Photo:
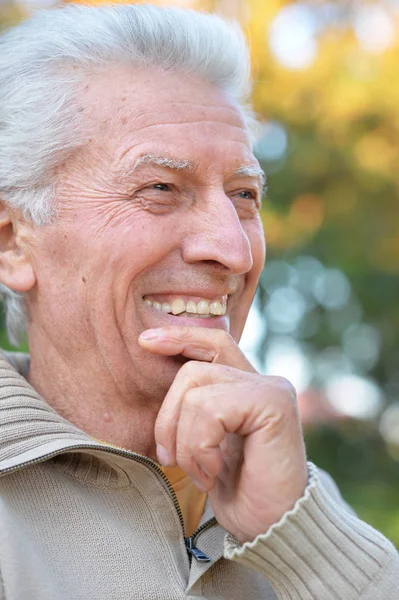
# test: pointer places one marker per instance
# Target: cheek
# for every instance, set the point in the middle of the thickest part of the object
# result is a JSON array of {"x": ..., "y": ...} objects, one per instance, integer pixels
[
  {"x": 80, "y": 258},
  {"x": 123, "y": 255},
  {"x": 254, "y": 232},
  {"x": 256, "y": 238},
  {"x": 132, "y": 249}
]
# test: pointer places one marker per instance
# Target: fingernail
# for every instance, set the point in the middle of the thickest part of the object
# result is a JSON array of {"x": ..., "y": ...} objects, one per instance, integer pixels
[
  {"x": 207, "y": 472},
  {"x": 199, "y": 485},
  {"x": 149, "y": 334},
  {"x": 163, "y": 455},
  {"x": 204, "y": 355}
]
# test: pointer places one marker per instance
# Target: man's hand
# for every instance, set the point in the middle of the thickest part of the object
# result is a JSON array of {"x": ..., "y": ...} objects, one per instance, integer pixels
[{"x": 235, "y": 432}]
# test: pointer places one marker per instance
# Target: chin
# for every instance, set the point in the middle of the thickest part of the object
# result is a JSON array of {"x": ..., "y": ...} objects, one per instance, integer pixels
[
  {"x": 172, "y": 366},
  {"x": 164, "y": 375}
]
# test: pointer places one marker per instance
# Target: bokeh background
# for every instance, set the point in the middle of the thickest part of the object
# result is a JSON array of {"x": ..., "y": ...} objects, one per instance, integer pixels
[{"x": 327, "y": 312}]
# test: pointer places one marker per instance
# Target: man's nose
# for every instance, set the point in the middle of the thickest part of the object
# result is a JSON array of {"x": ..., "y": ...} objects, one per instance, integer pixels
[{"x": 216, "y": 234}]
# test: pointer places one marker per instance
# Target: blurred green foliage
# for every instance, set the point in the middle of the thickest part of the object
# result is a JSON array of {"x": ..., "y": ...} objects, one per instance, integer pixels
[
  {"x": 356, "y": 457},
  {"x": 333, "y": 195}
]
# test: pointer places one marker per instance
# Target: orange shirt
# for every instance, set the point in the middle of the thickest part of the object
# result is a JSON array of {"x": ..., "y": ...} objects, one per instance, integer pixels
[{"x": 191, "y": 499}]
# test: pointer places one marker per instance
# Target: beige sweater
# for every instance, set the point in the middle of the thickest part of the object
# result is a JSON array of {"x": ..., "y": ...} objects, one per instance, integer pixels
[{"x": 82, "y": 521}]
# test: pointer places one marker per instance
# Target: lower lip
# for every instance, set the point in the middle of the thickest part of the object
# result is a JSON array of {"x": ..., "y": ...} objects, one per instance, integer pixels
[{"x": 162, "y": 319}]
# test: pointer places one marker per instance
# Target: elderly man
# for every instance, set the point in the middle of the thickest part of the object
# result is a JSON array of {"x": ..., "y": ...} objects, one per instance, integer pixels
[{"x": 141, "y": 454}]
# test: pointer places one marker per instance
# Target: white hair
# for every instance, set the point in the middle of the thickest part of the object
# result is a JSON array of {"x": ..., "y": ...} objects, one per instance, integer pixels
[{"x": 44, "y": 60}]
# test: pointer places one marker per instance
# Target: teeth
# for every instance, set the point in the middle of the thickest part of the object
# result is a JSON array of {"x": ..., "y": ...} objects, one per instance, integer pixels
[
  {"x": 215, "y": 308},
  {"x": 166, "y": 307},
  {"x": 203, "y": 307},
  {"x": 191, "y": 307},
  {"x": 178, "y": 306}
]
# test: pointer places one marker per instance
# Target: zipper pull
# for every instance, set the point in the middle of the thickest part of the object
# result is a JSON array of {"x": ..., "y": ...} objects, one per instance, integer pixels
[{"x": 194, "y": 551}]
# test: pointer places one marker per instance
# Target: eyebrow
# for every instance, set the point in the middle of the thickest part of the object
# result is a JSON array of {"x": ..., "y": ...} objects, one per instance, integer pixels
[
  {"x": 178, "y": 164},
  {"x": 252, "y": 171},
  {"x": 169, "y": 162}
]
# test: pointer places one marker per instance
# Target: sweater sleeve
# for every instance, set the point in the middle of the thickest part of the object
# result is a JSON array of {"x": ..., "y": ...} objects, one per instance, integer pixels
[{"x": 320, "y": 549}]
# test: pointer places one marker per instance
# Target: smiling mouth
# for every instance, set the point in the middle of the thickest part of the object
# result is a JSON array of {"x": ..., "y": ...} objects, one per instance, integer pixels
[{"x": 202, "y": 308}]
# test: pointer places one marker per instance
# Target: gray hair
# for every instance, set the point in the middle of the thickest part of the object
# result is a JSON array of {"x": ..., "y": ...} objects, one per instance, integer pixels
[{"x": 43, "y": 62}]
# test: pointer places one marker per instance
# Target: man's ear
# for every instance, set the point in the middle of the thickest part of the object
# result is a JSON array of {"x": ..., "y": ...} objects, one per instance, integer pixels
[{"x": 16, "y": 269}]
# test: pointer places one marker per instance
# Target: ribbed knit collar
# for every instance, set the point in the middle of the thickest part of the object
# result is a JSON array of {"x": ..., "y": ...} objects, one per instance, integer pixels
[
  {"x": 30, "y": 429},
  {"x": 31, "y": 432}
]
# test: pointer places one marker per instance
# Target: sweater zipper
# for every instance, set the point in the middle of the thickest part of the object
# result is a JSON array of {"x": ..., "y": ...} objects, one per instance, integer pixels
[{"x": 189, "y": 542}]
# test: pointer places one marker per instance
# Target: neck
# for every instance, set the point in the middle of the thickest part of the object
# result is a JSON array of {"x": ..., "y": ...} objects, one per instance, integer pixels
[{"x": 85, "y": 393}]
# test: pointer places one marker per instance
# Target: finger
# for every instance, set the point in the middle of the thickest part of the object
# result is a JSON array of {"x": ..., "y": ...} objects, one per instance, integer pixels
[
  {"x": 208, "y": 415},
  {"x": 197, "y": 343},
  {"x": 232, "y": 453},
  {"x": 198, "y": 453},
  {"x": 266, "y": 420},
  {"x": 192, "y": 375}
]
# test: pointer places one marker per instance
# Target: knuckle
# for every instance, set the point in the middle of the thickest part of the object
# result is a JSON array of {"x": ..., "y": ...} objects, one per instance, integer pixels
[
  {"x": 282, "y": 417},
  {"x": 286, "y": 388},
  {"x": 283, "y": 408},
  {"x": 191, "y": 368},
  {"x": 183, "y": 452},
  {"x": 187, "y": 368},
  {"x": 193, "y": 399},
  {"x": 184, "y": 458},
  {"x": 287, "y": 407},
  {"x": 184, "y": 333}
]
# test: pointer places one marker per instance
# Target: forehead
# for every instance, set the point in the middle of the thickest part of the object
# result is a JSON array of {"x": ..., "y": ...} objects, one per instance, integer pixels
[{"x": 138, "y": 111}]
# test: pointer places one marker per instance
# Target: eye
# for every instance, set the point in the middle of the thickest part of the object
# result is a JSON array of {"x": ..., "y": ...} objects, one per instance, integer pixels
[
  {"x": 250, "y": 195},
  {"x": 161, "y": 186},
  {"x": 247, "y": 195}
]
